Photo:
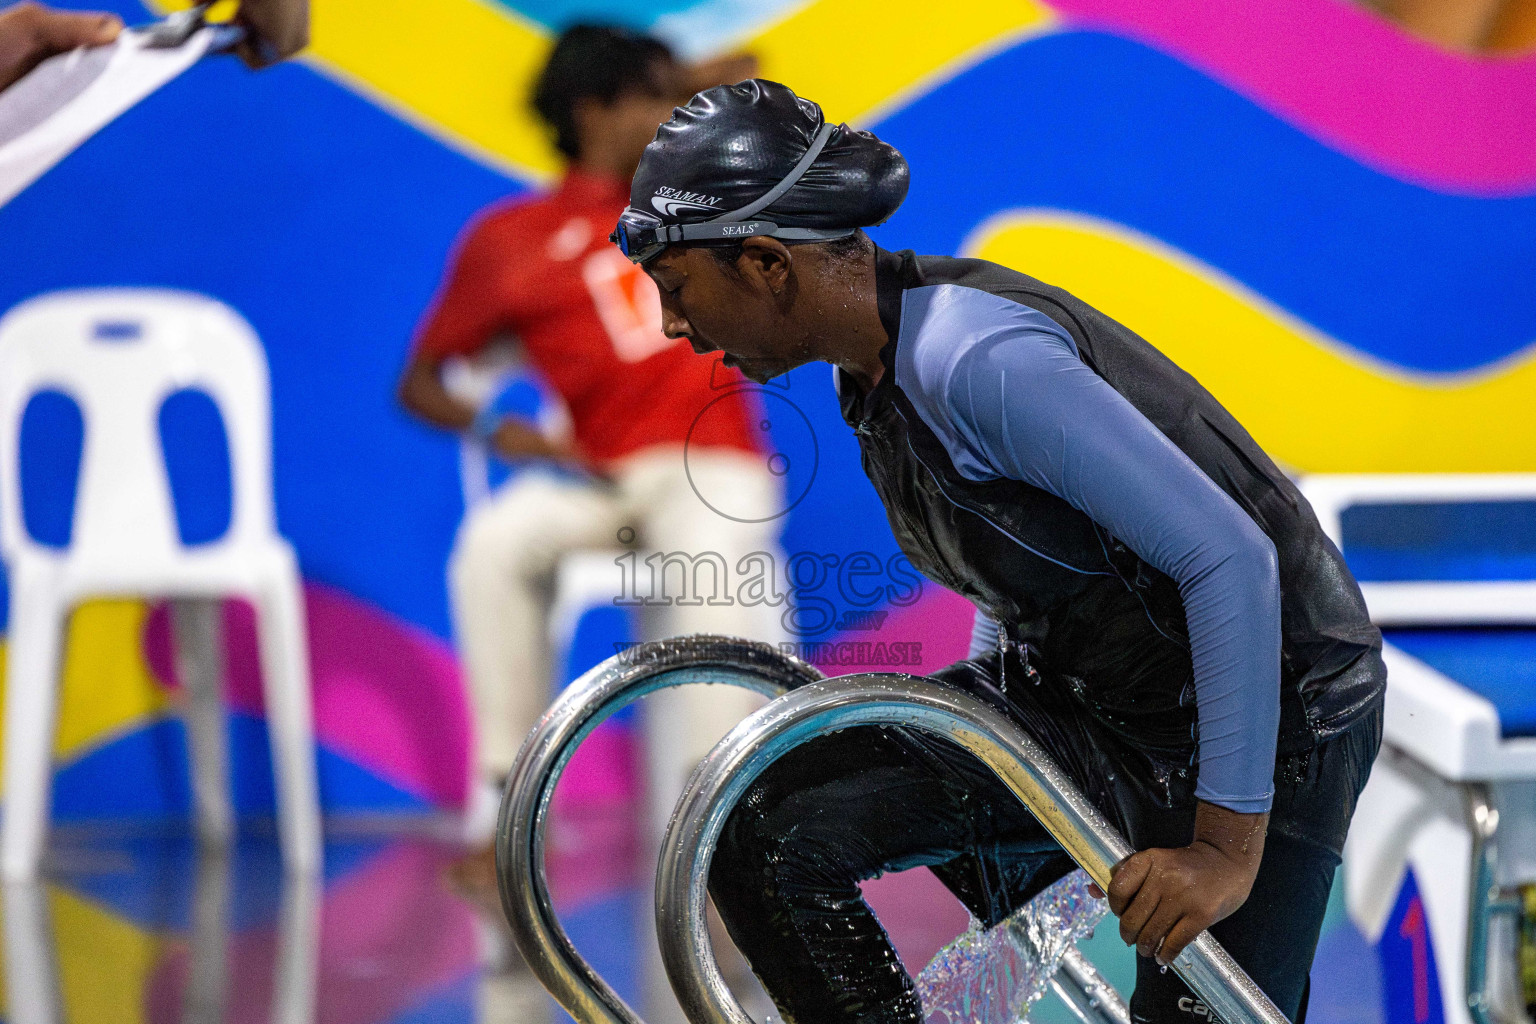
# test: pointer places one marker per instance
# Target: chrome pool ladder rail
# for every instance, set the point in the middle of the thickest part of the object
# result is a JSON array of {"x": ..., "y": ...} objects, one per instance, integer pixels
[
  {"x": 581, "y": 708},
  {"x": 890, "y": 699}
]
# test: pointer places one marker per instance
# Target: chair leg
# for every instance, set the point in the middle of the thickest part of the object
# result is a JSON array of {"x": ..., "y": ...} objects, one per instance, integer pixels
[
  {"x": 285, "y": 684},
  {"x": 31, "y": 969},
  {"x": 197, "y": 624},
  {"x": 295, "y": 987},
  {"x": 206, "y": 998},
  {"x": 31, "y": 705}
]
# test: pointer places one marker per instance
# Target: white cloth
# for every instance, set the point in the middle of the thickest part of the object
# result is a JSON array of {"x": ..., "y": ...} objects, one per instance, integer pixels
[
  {"x": 503, "y": 575},
  {"x": 68, "y": 98}
]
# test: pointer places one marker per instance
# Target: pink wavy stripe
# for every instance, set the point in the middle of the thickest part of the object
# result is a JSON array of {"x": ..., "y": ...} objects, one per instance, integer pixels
[
  {"x": 390, "y": 934},
  {"x": 940, "y": 621},
  {"x": 593, "y": 853},
  {"x": 1444, "y": 120},
  {"x": 388, "y": 696},
  {"x": 917, "y": 912}
]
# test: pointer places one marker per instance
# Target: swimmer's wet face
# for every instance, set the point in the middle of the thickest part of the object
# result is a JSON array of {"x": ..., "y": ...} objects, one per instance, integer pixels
[
  {"x": 771, "y": 307},
  {"x": 744, "y": 310}
]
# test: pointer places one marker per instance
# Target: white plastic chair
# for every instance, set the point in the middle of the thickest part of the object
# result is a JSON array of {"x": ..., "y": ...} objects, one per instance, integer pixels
[
  {"x": 119, "y": 353},
  {"x": 587, "y": 579},
  {"x": 478, "y": 381}
]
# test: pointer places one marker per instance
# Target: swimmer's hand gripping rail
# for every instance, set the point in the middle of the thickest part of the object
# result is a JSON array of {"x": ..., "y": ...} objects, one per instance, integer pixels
[
  {"x": 889, "y": 699},
  {"x": 584, "y": 706}
]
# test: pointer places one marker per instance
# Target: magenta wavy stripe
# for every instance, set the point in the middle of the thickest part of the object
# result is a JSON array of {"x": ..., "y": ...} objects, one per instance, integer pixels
[
  {"x": 940, "y": 621},
  {"x": 1444, "y": 120},
  {"x": 394, "y": 912},
  {"x": 388, "y": 695}
]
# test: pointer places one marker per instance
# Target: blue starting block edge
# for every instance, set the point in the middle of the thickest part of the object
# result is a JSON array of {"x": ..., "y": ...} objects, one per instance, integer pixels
[
  {"x": 1450, "y": 540},
  {"x": 1496, "y": 663}
]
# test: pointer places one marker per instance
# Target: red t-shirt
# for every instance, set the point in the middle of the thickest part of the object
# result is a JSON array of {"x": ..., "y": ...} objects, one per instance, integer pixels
[{"x": 588, "y": 320}]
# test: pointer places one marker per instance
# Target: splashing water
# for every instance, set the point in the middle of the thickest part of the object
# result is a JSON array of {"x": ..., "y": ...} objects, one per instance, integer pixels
[{"x": 994, "y": 975}]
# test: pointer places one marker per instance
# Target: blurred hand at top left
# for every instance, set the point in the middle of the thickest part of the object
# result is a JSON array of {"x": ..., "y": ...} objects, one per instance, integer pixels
[
  {"x": 31, "y": 33},
  {"x": 274, "y": 30}
]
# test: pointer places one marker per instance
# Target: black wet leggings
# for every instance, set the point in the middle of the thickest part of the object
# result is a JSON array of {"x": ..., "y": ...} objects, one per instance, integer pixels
[{"x": 866, "y": 801}]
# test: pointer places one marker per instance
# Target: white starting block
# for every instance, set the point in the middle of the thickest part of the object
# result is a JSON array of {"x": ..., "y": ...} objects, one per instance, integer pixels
[{"x": 1440, "y": 865}]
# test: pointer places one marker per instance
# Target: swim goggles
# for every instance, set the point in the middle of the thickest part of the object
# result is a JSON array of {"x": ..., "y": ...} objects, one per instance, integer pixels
[{"x": 642, "y": 236}]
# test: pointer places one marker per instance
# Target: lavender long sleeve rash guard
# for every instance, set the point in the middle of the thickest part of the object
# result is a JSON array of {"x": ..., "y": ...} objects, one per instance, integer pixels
[{"x": 1005, "y": 391}]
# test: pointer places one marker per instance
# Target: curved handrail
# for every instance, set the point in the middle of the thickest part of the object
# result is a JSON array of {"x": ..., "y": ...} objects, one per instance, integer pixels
[
  {"x": 583, "y": 706},
  {"x": 890, "y": 699}
]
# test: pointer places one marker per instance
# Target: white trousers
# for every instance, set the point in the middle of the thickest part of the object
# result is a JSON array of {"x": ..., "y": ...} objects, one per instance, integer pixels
[{"x": 504, "y": 572}]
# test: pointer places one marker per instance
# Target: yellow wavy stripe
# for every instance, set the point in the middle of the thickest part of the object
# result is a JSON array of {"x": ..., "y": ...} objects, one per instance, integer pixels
[
  {"x": 105, "y": 963},
  {"x": 107, "y": 684},
  {"x": 461, "y": 69},
  {"x": 856, "y": 57},
  {"x": 458, "y": 69},
  {"x": 1310, "y": 402}
]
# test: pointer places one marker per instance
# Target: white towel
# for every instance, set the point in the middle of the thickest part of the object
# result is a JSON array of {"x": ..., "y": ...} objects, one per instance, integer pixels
[{"x": 70, "y": 97}]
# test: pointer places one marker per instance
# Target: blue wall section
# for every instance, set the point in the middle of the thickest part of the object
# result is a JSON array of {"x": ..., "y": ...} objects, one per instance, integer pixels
[
  {"x": 1102, "y": 126},
  {"x": 51, "y": 441},
  {"x": 1410, "y": 981},
  {"x": 144, "y": 774}
]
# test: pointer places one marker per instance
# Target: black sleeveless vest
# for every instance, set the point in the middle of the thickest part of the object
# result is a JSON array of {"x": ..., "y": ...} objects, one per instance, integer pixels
[{"x": 1098, "y": 622}]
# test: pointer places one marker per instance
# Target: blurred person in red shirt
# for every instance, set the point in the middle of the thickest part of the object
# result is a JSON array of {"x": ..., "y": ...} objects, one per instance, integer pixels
[{"x": 540, "y": 273}]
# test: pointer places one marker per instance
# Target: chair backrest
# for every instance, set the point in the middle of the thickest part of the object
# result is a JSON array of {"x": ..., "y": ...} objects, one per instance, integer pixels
[
  {"x": 119, "y": 353},
  {"x": 485, "y": 379}
]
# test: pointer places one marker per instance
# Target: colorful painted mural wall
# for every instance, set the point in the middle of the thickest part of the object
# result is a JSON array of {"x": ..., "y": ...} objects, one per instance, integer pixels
[{"x": 1330, "y": 223}]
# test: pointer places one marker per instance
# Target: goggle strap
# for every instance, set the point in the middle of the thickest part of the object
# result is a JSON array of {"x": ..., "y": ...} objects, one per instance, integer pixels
[
  {"x": 795, "y": 174},
  {"x": 812, "y": 234},
  {"x": 735, "y": 224},
  {"x": 714, "y": 229}
]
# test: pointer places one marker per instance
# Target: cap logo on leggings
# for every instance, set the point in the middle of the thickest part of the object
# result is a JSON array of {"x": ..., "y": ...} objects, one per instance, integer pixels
[{"x": 670, "y": 201}]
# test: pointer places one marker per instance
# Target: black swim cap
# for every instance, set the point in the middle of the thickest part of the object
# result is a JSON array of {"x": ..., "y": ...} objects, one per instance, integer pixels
[{"x": 735, "y": 145}]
